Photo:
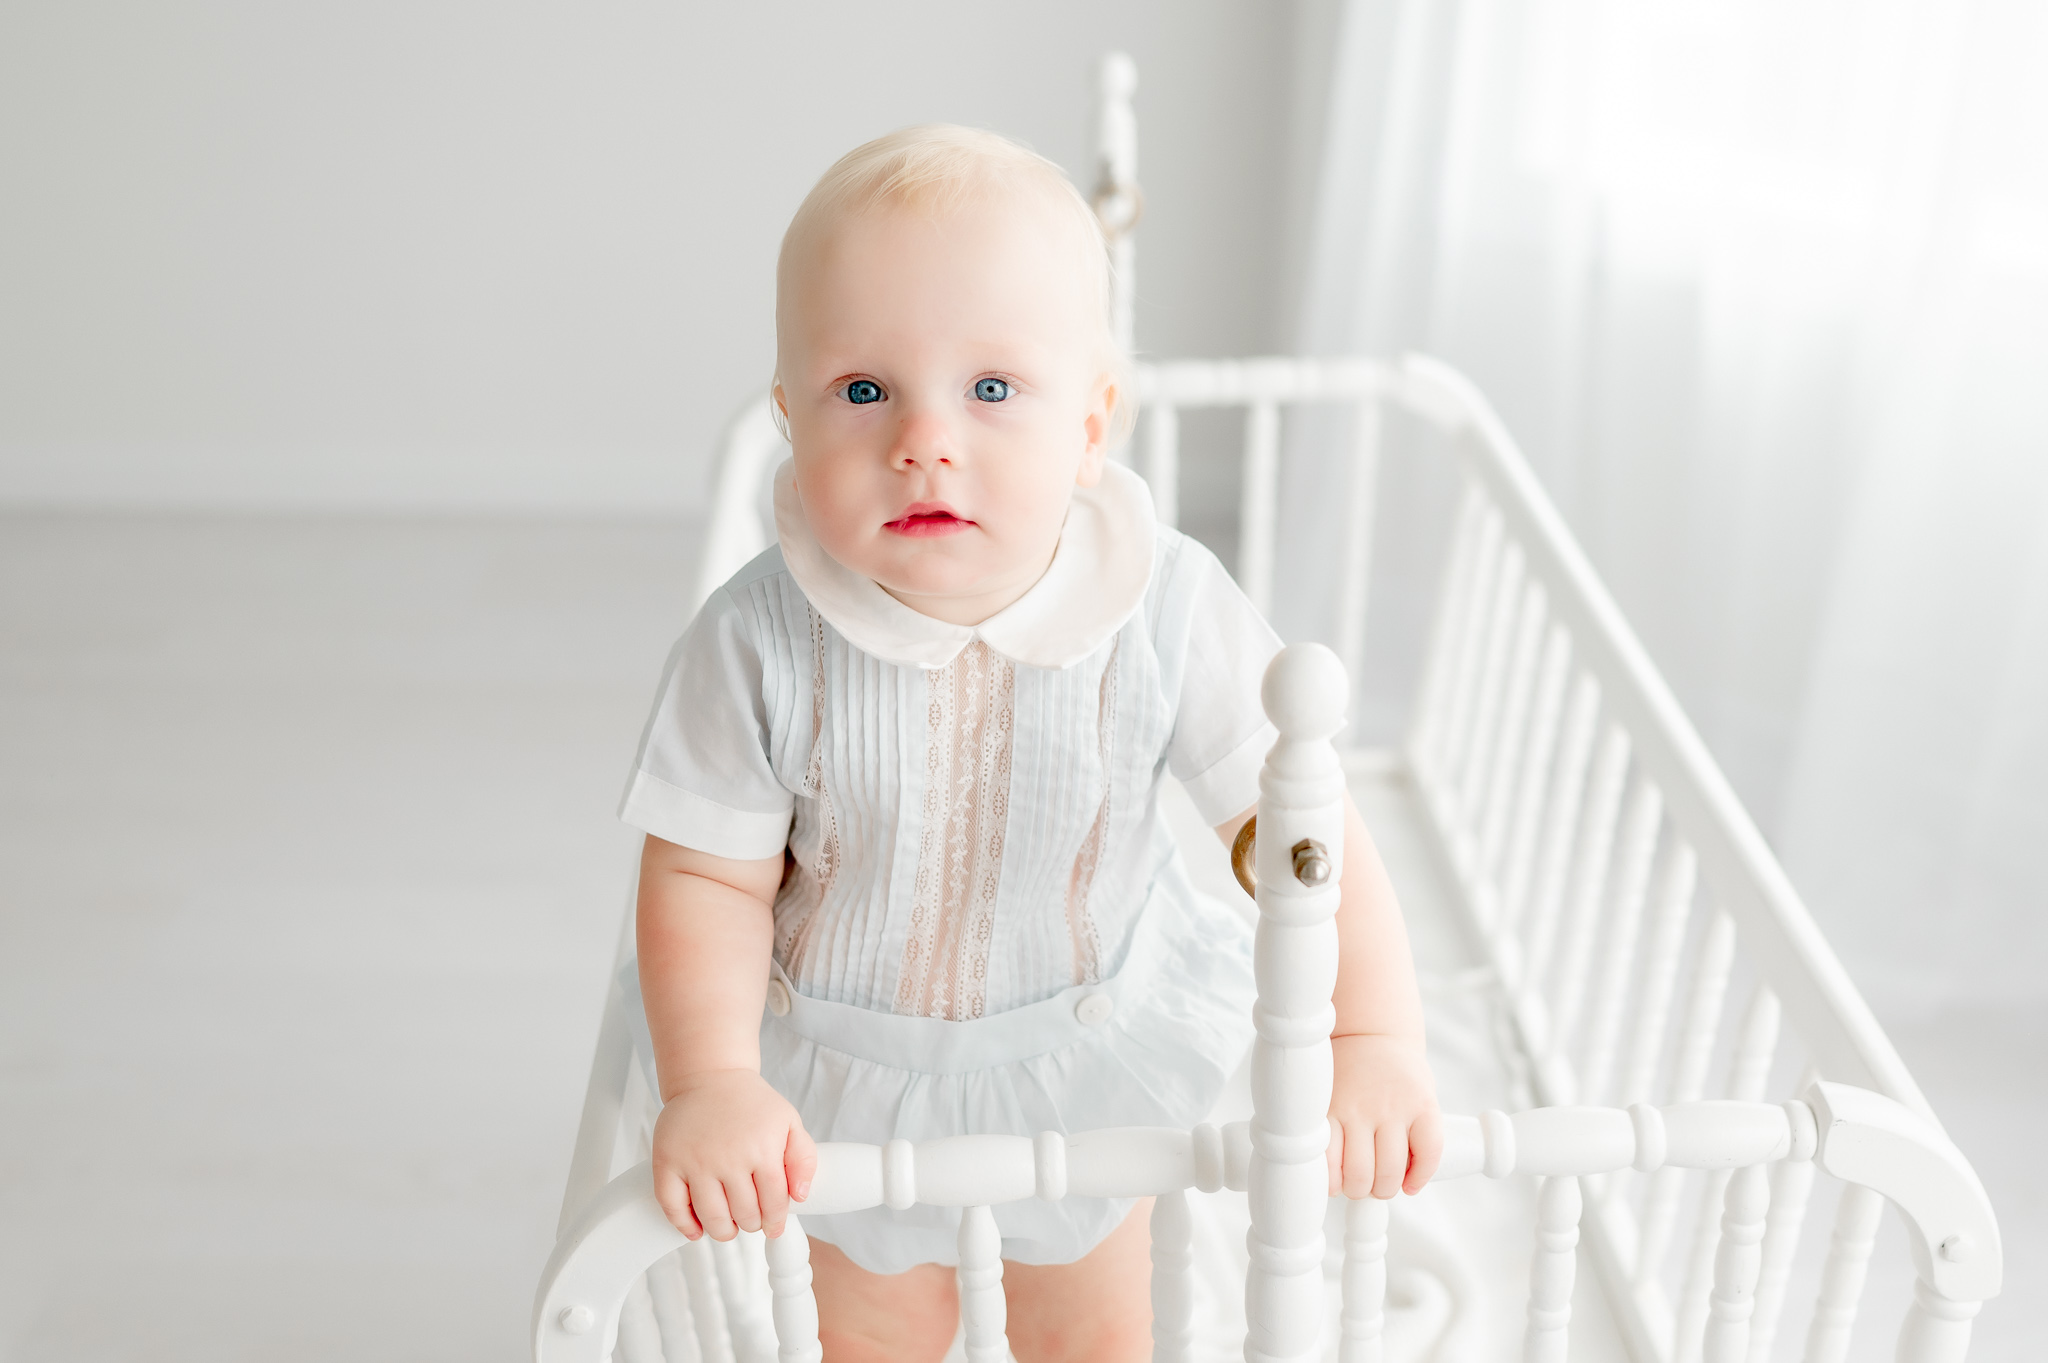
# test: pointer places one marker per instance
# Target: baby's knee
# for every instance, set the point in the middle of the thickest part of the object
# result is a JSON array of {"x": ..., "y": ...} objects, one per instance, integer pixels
[
  {"x": 1101, "y": 1337},
  {"x": 872, "y": 1318},
  {"x": 921, "y": 1334}
]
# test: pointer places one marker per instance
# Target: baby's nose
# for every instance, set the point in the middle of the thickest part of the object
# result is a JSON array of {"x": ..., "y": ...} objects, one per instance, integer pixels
[{"x": 922, "y": 440}]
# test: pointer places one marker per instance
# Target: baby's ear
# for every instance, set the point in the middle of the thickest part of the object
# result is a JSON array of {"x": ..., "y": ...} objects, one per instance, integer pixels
[
  {"x": 1099, "y": 425},
  {"x": 778, "y": 408}
]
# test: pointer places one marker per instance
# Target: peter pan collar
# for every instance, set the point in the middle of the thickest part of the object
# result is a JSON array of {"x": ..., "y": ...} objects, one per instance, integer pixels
[{"x": 1095, "y": 583}]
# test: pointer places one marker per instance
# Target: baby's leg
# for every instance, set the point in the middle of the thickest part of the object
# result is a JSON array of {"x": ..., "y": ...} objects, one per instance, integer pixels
[
  {"x": 1096, "y": 1310},
  {"x": 867, "y": 1317}
]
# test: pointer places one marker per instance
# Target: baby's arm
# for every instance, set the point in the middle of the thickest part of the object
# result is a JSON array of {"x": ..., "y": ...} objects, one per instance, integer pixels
[
  {"x": 729, "y": 1151},
  {"x": 1386, "y": 1134}
]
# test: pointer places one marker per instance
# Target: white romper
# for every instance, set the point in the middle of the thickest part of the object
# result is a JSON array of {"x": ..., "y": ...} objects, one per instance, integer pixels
[{"x": 985, "y": 926}]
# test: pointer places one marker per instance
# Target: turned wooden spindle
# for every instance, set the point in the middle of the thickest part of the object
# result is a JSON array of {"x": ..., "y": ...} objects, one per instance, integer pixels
[{"x": 1299, "y": 857}]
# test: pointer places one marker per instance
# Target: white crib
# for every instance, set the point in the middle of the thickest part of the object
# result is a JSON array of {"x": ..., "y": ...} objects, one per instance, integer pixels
[{"x": 1617, "y": 898}]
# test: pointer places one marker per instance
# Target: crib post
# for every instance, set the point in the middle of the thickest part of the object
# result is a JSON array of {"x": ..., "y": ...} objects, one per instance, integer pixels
[
  {"x": 1558, "y": 1208},
  {"x": 1364, "y": 1316},
  {"x": 1258, "y": 502},
  {"x": 983, "y": 1313},
  {"x": 1173, "y": 1287},
  {"x": 795, "y": 1308},
  {"x": 1841, "y": 1286},
  {"x": 1737, "y": 1263},
  {"x": 1299, "y": 853},
  {"x": 1117, "y": 203}
]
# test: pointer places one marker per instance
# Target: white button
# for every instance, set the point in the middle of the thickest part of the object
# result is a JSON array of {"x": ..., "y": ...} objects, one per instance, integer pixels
[
  {"x": 778, "y": 998},
  {"x": 1095, "y": 1009}
]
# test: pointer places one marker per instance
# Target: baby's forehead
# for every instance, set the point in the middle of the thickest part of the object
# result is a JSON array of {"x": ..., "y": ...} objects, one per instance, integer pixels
[
  {"x": 993, "y": 248},
  {"x": 994, "y": 212}
]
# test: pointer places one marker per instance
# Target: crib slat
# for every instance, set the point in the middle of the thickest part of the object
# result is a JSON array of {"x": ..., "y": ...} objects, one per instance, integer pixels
[
  {"x": 1162, "y": 460},
  {"x": 707, "y": 1303},
  {"x": 1173, "y": 1280},
  {"x": 983, "y": 1310},
  {"x": 1703, "y": 1009},
  {"x": 672, "y": 1314},
  {"x": 639, "y": 1337},
  {"x": 1841, "y": 1287},
  {"x": 1610, "y": 990},
  {"x": 1255, "y": 527},
  {"x": 1558, "y": 1207},
  {"x": 1365, "y": 1280},
  {"x": 1560, "y": 828},
  {"x": 1470, "y": 775},
  {"x": 1354, "y": 583},
  {"x": 1439, "y": 671},
  {"x": 1509, "y": 755},
  {"x": 1736, "y": 1264},
  {"x": 753, "y": 1336},
  {"x": 1750, "y": 1068},
  {"x": 795, "y": 1307},
  {"x": 1465, "y": 654},
  {"x": 1791, "y": 1187},
  {"x": 1670, "y": 906},
  {"x": 1755, "y": 1046},
  {"x": 1695, "y": 1048},
  {"x": 1569, "y": 944},
  {"x": 1535, "y": 776}
]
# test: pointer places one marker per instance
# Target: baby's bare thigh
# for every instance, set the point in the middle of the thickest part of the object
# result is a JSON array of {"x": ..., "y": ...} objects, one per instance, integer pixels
[
  {"x": 1097, "y": 1309},
  {"x": 868, "y": 1317}
]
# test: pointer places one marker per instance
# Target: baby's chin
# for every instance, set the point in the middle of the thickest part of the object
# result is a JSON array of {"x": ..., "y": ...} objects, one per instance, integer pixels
[{"x": 925, "y": 574}]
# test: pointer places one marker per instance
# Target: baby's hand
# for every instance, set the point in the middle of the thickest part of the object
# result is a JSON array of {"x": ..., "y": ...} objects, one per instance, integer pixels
[
  {"x": 729, "y": 1155},
  {"x": 1386, "y": 1135}
]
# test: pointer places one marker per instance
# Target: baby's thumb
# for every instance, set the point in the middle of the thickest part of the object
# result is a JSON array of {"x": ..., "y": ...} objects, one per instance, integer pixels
[{"x": 799, "y": 1162}]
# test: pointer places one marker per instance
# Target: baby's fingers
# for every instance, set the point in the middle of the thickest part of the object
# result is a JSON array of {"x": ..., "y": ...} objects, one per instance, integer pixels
[
  {"x": 1355, "y": 1178},
  {"x": 1425, "y": 1151},
  {"x": 1390, "y": 1159},
  {"x": 674, "y": 1196},
  {"x": 800, "y": 1161},
  {"x": 744, "y": 1205},
  {"x": 771, "y": 1194},
  {"x": 707, "y": 1199}
]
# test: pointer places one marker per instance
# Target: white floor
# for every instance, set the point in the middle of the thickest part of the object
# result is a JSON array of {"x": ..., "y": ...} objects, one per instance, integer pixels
[{"x": 308, "y": 882}]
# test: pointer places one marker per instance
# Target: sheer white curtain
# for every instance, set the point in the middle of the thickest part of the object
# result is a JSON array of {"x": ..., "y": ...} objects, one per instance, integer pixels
[{"x": 1762, "y": 286}]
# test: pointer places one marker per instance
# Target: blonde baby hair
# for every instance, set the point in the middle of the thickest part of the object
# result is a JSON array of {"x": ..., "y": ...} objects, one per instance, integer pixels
[{"x": 937, "y": 167}]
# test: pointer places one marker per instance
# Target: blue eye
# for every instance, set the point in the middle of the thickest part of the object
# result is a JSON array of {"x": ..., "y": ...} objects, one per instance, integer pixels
[
  {"x": 991, "y": 390},
  {"x": 863, "y": 390}
]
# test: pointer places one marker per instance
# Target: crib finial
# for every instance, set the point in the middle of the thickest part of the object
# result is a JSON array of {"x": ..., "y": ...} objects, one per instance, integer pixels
[
  {"x": 1116, "y": 198},
  {"x": 1306, "y": 692}
]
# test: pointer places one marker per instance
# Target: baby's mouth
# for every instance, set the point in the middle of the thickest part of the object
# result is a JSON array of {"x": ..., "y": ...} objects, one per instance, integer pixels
[{"x": 924, "y": 520}]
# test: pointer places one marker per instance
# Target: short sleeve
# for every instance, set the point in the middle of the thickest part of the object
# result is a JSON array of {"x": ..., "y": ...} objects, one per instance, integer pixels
[
  {"x": 703, "y": 778},
  {"x": 1220, "y": 734}
]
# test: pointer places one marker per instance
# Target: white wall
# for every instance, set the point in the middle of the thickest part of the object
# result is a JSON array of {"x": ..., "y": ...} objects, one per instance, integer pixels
[{"x": 463, "y": 255}]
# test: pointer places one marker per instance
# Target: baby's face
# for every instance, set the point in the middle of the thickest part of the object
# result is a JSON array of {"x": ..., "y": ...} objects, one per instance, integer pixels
[{"x": 946, "y": 391}]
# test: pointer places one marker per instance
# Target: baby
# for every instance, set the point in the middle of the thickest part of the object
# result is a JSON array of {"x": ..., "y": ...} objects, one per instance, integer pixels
[{"x": 907, "y": 872}]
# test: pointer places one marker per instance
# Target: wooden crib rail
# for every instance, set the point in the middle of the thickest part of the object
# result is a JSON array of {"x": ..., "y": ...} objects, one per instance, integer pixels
[
  {"x": 1527, "y": 615},
  {"x": 1856, "y": 1135},
  {"x": 1620, "y": 890}
]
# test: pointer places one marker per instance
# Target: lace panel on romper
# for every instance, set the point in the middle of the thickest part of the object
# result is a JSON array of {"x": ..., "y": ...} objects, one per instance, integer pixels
[
  {"x": 1080, "y": 921},
  {"x": 970, "y": 721},
  {"x": 813, "y": 881}
]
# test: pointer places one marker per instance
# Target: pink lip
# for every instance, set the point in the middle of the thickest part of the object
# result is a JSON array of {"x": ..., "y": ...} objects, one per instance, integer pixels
[{"x": 924, "y": 520}]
